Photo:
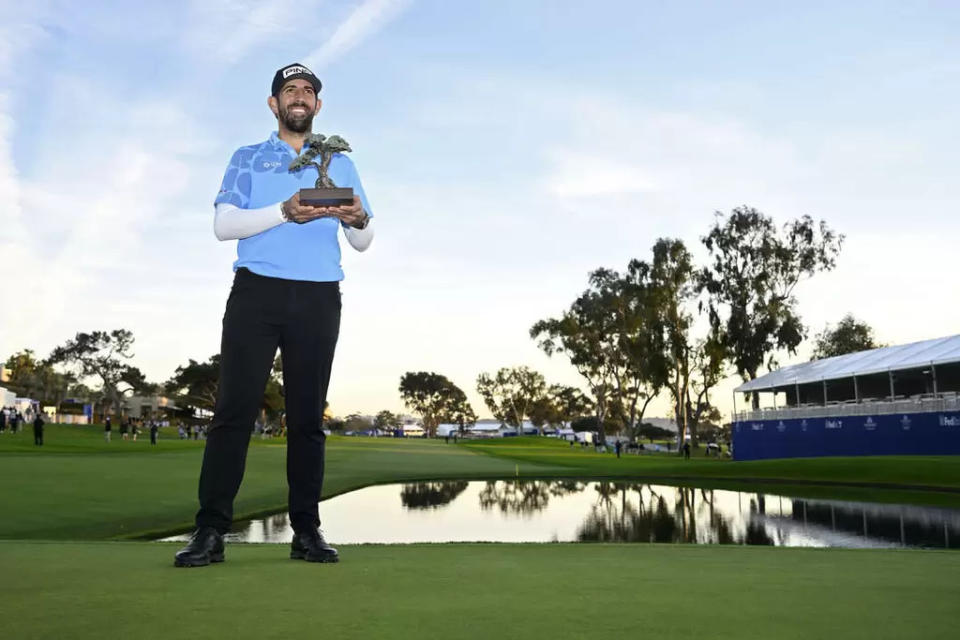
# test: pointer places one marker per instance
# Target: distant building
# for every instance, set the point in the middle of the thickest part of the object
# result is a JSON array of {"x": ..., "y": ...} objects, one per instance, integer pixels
[{"x": 146, "y": 407}]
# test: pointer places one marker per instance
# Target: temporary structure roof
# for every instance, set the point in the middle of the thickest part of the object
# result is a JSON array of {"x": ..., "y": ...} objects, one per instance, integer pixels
[{"x": 897, "y": 358}]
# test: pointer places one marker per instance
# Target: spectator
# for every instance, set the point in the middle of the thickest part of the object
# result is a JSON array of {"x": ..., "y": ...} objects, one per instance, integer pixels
[{"x": 38, "y": 430}]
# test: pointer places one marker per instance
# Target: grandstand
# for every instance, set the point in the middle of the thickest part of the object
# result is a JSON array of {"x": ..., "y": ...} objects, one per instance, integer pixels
[{"x": 903, "y": 399}]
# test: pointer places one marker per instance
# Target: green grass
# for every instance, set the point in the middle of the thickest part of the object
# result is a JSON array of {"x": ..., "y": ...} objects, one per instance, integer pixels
[
  {"x": 92, "y": 590},
  {"x": 917, "y": 479},
  {"x": 77, "y": 487}
]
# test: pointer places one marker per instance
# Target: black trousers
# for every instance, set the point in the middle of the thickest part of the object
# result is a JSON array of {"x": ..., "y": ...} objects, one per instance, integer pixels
[{"x": 303, "y": 320}]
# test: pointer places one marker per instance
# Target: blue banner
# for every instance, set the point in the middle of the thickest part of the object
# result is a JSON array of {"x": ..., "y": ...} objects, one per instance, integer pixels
[{"x": 933, "y": 433}]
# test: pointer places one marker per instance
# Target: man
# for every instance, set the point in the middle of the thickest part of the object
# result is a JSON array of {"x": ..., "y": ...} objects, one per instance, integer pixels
[
  {"x": 38, "y": 430},
  {"x": 285, "y": 294},
  {"x": 107, "y": 428}
]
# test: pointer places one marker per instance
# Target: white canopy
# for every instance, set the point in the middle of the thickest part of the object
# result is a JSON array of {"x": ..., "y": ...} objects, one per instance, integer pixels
[{"x": 896, "y": 358}]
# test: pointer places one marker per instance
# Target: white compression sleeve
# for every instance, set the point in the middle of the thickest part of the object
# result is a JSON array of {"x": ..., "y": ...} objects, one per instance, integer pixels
[
  {"x": 359, "y": 239},
  {"x": 232, "y": 223}
]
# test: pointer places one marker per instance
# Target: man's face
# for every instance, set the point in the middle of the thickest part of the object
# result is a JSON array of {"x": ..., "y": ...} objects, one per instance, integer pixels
[{"x": 296, "y": 105}]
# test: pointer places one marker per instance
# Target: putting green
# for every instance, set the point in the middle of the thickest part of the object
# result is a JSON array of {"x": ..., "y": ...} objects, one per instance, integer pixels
[{"x": 89, "y": 590}]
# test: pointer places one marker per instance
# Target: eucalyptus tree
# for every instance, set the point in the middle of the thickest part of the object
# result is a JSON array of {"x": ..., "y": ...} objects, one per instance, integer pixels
[
  {"x": 432, "y": 396},
  {"x": 672, "y": 286},
  {"x": 694, "y": 365},
  {"x": 387, "y": 421},
  {"x": 611, "y": 335},
  {"x": 512, "y": 393},
  {"x": 640, "y": 366},
  {"x": 585, "y": 334},
  {"x": 569, "y": 403},
  {"x": 849, "y": 336},
  {"x": 750, "y": 281},
  {"x": 459, "y": 411}
]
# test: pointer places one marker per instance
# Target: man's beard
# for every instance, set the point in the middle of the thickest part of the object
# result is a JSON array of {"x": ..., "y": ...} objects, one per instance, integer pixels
[{"x": 297, "y": 123}]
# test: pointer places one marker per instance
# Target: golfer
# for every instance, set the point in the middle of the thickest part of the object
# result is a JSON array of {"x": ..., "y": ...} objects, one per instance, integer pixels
[{"x": 286, "y": 295}]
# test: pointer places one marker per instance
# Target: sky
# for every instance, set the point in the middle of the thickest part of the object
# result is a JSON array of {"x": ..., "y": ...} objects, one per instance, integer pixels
[{"x": 507, "y": 149}]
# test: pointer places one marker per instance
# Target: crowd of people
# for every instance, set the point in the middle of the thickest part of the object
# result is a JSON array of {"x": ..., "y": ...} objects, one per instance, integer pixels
[
  {"x": 131, "y": 428},
  {"x": 11, "y": 417},
  {"x": 15, "y": 419}
]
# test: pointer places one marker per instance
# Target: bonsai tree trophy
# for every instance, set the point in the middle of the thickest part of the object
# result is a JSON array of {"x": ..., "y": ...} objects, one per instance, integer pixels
[{"x": 326, "y": 193}]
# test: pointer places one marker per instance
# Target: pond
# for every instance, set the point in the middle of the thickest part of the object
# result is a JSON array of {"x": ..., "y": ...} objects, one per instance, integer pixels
[{"x": 576, "y": 511}]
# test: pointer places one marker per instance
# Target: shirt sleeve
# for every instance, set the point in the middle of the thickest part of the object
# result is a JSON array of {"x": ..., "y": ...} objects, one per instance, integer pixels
[
  {"x": 232, "y": 223},
  {"x": 235, "y": 188}
]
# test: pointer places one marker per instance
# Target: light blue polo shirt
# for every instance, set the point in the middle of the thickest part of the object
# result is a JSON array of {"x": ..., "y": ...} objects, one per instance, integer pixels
[{"x": 258, "y": 177}]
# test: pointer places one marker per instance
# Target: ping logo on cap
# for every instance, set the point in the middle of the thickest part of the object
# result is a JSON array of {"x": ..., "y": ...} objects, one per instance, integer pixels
[{"x": 289, "y": 71}]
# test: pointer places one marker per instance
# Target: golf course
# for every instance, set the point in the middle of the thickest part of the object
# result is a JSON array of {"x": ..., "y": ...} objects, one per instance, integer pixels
[{"x": 77, "y": 517}]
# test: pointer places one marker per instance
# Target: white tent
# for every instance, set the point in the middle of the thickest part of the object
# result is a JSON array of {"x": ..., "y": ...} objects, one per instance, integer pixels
[{"x": 939, "y": 351}]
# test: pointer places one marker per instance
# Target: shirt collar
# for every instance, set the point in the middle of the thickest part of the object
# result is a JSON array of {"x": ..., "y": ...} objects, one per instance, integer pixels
[{"x": 277, "y": 142}]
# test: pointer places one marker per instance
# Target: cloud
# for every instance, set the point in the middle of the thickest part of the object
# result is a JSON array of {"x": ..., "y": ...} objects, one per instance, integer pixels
[
  {"x": 364, "y": 21},
  {"x": 86, "y": 232},
  {"x": 227, "y": 30}
]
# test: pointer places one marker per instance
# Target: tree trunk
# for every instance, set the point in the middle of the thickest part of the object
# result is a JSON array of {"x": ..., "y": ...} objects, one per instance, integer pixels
[{"x": 754, "y": 396}]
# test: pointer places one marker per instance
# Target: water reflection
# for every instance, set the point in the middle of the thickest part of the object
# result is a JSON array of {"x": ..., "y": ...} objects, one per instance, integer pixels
[
  {"x": 542, "y": 511},
  {"x": 627, "y": 512},
  {"x": 431, "y": 495}
]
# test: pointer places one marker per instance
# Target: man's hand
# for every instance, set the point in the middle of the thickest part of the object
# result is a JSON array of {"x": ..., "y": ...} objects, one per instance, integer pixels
[
  {"x": 300, "y": 213},
  {"x": 352, "y": 214}
]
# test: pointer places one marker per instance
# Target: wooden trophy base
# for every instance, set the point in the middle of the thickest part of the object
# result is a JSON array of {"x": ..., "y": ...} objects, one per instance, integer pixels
[{"x": 327, "y": 197}]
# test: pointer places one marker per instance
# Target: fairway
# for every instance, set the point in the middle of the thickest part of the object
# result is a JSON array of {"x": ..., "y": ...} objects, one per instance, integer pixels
[
  {"x": 82, "y": 488},
  {"x": 64, "y": 574}
]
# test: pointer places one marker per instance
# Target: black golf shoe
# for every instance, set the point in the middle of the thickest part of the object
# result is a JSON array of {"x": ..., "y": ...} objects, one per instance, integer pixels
[
  {"x": 205, "y": 546},
  {"x": 309, "y": 545}
]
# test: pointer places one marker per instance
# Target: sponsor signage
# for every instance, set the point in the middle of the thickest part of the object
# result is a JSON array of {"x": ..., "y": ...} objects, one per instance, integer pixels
[{"x": 931, "y": 433}]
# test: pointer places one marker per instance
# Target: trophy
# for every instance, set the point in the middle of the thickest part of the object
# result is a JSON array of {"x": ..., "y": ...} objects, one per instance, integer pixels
[{"x": 326, "y": 193}]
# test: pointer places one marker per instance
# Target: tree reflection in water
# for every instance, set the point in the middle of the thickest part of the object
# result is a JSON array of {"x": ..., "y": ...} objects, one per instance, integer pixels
[
  {"x": 651, "y": 518},
  {"x": 431, "y": 495},
  {"x": 622, "y": 512},
  {"x": 521, "y": 497}
]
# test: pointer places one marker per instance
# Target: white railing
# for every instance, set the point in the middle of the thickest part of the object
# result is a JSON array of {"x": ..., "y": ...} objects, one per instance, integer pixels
[{"x": 915, "y": 404}]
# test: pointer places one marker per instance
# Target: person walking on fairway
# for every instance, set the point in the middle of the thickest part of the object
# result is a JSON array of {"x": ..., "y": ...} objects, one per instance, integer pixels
[
  {"x": 286, "y": 294},
  {"x": 107, "y": 428}
]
